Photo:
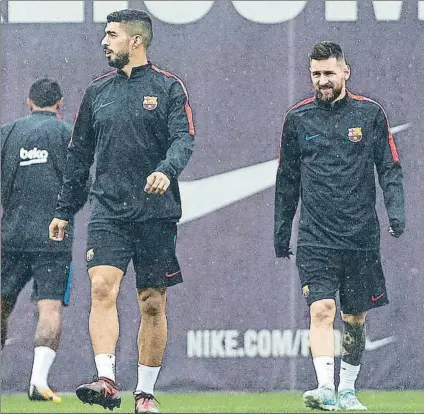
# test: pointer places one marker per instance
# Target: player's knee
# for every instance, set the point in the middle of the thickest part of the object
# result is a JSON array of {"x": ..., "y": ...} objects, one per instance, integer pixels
[
  {"x": 152, "y": 303},
  {"x": 105, "y": 283},
  {"x": 355, "y": 319},
  {"x": 103, "y": 292},
  {"x": 323, "y": 311}
]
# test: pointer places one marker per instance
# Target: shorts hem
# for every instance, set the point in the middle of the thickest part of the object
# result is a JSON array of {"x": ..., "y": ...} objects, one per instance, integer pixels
[
  {"x": 50, "y": 297},
  {"x": 311, "y": 300},
  {"x": 91, "y": 265},
  {"x": 365, "y": 308},
  {"x": 170, "y": 283}
]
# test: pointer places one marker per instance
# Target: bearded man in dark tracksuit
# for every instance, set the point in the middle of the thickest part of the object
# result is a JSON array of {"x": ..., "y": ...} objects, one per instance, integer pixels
[
  {"x": 33, "y": 151},
  {"x": 138, "y": 123},
  {"x": 330, "y": 145}
]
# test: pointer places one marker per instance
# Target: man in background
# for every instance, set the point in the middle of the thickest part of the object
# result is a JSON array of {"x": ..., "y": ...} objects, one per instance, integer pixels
[
  {"x": 329, "y": 147},
  {"x": 136, "y": 121},
  {"x": 33, "y": 152}
]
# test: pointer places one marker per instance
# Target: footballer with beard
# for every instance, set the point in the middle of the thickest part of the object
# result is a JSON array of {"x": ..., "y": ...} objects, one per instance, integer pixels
[
  {"x": 329, "y": 147},
  {"x": 137, "y": 123}
]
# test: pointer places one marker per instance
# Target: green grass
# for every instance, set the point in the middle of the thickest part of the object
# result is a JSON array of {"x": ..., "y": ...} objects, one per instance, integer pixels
[{"x": 273, "y": 402}]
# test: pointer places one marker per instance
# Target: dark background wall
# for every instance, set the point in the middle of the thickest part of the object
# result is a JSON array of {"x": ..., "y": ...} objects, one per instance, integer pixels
[{"x": 242, "y": 76}]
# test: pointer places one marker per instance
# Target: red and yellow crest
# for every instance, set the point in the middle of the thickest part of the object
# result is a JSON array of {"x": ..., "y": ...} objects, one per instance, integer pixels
[
  {"x": 355, "y": 134},
  {"x": 150, "y": 102}
]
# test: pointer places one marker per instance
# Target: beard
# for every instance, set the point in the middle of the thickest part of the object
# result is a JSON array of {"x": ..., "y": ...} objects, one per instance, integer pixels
[
  {"x": 328, "y": 94},
  {"x": 122, "y": 59}
]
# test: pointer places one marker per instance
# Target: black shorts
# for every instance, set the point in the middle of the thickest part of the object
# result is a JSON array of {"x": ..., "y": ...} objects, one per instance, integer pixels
[
  {"x": 356, "y": 274},
  {"x": 51, "y": 272},
  {"x": 150, "y": 245}
]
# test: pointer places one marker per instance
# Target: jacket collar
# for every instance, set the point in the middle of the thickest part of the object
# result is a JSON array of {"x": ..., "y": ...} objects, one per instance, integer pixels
[
  {"x": 136, "y": 71},
  {"x": 332, "y": 106},
  {"x": 49, "y": 113}
]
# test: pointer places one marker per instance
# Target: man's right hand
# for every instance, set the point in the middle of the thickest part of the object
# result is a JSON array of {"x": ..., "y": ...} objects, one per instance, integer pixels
[{"x": 57, "y": 229}]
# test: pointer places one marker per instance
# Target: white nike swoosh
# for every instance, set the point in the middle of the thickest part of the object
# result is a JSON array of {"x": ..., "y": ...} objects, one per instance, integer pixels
[
  {"x": 400, "y": 128},
  {"x": 379, "y": 343},
  {"x": 204, "y": 196},
  {"x": 201, "y": 197}
]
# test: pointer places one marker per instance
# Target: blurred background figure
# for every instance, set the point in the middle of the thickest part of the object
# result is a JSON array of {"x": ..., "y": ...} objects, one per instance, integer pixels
[{"x": 33, "y": 151}]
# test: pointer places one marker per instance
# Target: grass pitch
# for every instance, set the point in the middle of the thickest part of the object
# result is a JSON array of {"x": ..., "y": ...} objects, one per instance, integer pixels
[{"x": 273, "y": 402}]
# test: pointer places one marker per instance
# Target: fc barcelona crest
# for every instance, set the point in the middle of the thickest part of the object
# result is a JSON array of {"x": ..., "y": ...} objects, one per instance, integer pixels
[
  {"x": 355, "y": 134},
  {"x": 150, "y": 102}
]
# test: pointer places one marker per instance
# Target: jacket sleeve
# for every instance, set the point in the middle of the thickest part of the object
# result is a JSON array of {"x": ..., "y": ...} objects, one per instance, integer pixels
[
  {"x": 389, "y": 171},
  {"x": 181, "y": 132},
  {"x": 287, "y": 187},
  {"x": 80, "y": 157}
]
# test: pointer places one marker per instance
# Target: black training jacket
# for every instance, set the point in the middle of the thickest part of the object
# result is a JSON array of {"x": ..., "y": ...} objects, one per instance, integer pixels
[
  {"x": 327, "y": 157},
  {"x": 133, "y": 126},
  {"x": 33, "y": 152}
]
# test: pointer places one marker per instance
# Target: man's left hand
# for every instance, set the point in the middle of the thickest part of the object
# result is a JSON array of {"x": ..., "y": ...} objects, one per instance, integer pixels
[{"x": 157, "y": 183}]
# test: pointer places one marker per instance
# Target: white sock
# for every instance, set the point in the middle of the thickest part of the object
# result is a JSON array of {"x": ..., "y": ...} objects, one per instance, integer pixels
[
  {"x": 43, "y": 360},
  {"x": 324, "y": 368},
  {"x": 348, "y": 375},
  {"x": 105, "y": 364},
  {"x": 147, "y": 377}
]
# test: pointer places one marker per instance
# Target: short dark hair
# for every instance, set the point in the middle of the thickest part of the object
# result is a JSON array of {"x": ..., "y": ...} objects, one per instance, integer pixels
[
  {"x": 137, "y": 22},
  {"x": 45, "y": 92},
  {"x": 326, "y": 50}
]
